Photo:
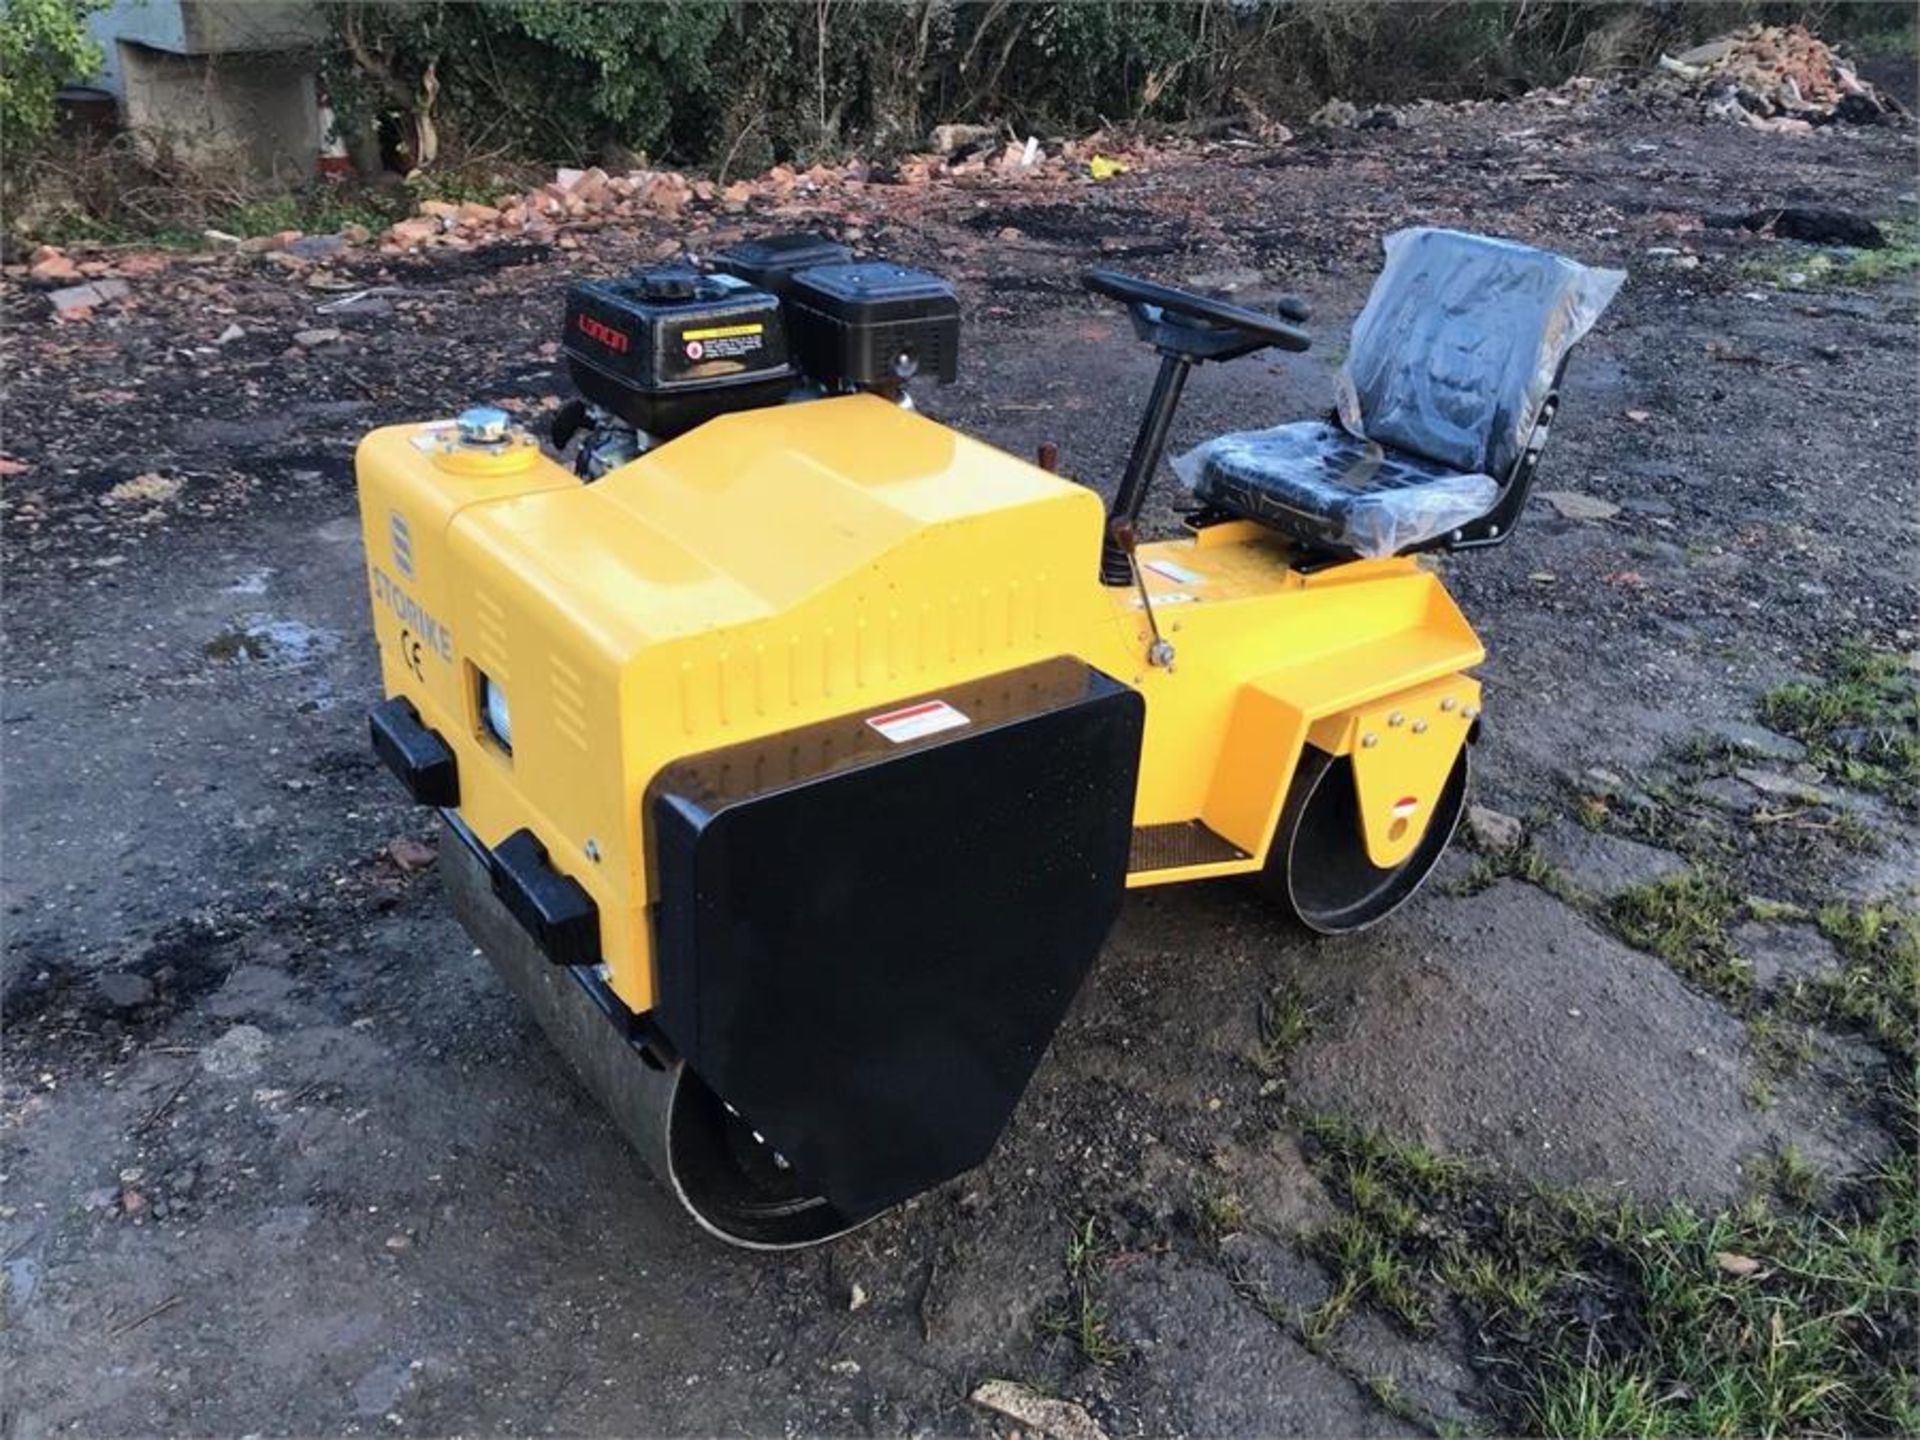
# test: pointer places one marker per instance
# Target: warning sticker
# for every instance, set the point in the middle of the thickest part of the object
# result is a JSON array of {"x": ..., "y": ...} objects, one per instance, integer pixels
[
  {"x": 723, "y": 342},
  {"x": 1179, "y": 574},
  {"x": 724, "y": 332},
  {"x": 915, "y": 722}
]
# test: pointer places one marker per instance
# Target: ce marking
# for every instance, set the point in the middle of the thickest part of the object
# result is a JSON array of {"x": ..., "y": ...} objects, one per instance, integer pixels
[{"x": 411, "y": 653}]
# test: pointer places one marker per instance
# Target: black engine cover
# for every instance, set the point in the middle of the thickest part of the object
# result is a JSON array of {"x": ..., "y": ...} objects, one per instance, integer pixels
[
  {"x": 670, "y": 347},
  {"x": 865, "y": 945}
]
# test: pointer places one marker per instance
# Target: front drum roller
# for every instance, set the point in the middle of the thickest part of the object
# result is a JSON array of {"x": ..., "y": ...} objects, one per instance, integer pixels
[
  {"x": 1318, "y": 868},
  {"x": 732, "y": 1183}
]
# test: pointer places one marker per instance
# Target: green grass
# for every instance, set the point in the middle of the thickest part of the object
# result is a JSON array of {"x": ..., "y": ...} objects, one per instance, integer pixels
[
  {"x": 1878, "y": 988},
  {"x": 1860, "y": 720},
  {"x": 315, "y": 210},
  {"x": 1285, "y": 1020},
  {"x": 456, "y": 187},
  {"x": 1082, "y": 1317},
  {"x": 1684, "y": 920},
  {"x": 87, "y": 229},
  {"x": 1788, "y": 263},
  {"x": 1521, "y": 862},
  {"x": 1219, "y": 1212},
  {"x": 1794, "y": 1314}
]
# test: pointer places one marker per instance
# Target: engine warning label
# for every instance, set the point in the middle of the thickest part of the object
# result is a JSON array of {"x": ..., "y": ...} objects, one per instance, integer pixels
[
  {"x": 916, "y": 722},
  {"x": 723, "y": 342}
]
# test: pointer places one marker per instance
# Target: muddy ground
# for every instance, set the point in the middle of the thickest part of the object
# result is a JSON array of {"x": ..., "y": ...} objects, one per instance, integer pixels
[{"x": 280, "y": 1157}]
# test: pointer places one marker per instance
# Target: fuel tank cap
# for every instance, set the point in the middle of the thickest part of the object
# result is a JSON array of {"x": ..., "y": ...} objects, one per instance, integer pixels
[
  {"x": 480, "y": 440},
  {"x": 482, "y": 425}
]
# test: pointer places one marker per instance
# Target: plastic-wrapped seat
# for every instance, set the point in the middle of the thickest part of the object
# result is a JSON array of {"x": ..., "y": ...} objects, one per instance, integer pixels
[{"x": 1443, "y": 403}]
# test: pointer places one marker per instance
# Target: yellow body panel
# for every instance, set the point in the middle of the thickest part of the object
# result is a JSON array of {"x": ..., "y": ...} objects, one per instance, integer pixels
[{"x": 777, "y": 567}]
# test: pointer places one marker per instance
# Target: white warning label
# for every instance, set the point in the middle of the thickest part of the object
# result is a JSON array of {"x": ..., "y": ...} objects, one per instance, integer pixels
[
  {"x": 914, "y": 722},
  {"x": 1179, "y": 574}
]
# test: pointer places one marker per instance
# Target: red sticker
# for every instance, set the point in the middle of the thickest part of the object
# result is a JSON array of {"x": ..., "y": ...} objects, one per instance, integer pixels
[{"x": 929, "y": 717}]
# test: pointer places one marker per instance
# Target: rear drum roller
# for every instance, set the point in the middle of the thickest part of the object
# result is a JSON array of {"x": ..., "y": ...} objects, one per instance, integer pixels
[
  {"x": 733, "y": 1183},
  {"x": 1318, "y": 867}
]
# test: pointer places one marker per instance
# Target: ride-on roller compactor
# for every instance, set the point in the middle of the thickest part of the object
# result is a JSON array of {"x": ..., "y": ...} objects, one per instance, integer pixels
[{"x": 796, "y": 751}]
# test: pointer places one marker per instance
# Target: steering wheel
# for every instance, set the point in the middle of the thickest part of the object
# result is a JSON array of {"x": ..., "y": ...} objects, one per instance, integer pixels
[{"x": 1209, "y": 313}]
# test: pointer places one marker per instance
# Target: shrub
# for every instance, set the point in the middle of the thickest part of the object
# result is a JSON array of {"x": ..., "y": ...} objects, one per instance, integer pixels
[{"x": 43, "y": 44}]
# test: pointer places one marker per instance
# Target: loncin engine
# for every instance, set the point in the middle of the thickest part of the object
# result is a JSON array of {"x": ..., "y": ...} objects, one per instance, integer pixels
[{"x": 767, "y": 322}]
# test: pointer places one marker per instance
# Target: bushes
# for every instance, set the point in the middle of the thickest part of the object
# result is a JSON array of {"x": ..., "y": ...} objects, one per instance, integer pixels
[
  {"x": 43, "y": 44},
  {"x": 728, "y": 81}
]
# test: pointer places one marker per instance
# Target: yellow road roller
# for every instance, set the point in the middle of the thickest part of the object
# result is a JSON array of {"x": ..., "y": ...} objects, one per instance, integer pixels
[{"x": 796, "y": 751}]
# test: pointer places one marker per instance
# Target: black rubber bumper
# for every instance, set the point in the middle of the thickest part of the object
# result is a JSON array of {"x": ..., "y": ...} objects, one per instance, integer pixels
[
  {"x": 423, "y": 761},
  {"x": 552, "y": 908},
  {"x": 557, "y": 914}
]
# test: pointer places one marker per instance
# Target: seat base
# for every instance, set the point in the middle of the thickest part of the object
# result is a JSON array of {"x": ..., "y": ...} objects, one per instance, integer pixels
[{"x": 1331, "y": 490}]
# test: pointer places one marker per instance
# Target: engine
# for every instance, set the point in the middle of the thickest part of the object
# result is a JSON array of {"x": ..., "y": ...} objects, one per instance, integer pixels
[{"x": 769, "y": 322}]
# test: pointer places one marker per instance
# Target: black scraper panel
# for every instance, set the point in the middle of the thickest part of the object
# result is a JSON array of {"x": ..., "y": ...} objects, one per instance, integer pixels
[{"x": 865, "y": 945}]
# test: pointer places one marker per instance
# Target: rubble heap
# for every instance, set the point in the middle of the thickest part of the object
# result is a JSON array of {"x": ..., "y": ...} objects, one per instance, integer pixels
[
  {"x": 1773, "y": 77},
  {"x": 580, "y": 198}
]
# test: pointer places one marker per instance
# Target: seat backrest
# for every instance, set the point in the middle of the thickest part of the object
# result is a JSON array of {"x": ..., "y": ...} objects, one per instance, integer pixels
[{"x": 1460, "y": 342}]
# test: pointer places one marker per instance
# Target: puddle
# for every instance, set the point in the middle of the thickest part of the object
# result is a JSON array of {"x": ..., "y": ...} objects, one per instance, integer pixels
[
  {"x": 23, "y": 1278},
  {"x": 275, "y": 644}
]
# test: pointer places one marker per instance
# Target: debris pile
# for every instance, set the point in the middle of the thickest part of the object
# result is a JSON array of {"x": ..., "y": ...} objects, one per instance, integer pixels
[
  {"x": 565, "y": 210},
  {"x": 1772, "y": 77},
  {"x": 580, "y": 198}
]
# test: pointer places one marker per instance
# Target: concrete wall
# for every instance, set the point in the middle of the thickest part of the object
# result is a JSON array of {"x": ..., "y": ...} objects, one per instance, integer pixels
[
  {"x": 258, "y": 111},
  {"x": 220, "y": 79}
]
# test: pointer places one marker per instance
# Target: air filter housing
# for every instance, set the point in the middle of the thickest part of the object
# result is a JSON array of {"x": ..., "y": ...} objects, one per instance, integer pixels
[{"x": 874, "y": 324}]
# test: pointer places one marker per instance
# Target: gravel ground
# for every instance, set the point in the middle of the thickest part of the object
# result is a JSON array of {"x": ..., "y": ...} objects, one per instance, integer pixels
[{"x": 280, "y": 1157}]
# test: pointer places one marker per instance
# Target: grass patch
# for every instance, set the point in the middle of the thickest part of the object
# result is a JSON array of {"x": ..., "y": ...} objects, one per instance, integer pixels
[
  {"x": 1878, "y": 989},
  {"x": 1684, "y": 920},
  {"x": 1082, "y": 1318},
  {"x": 317, "y": 210},
  {"x": 456, "y": 187},
  {"x": 1782, "y": 1315},
  {"x": 1219, "y": 1212},
  {"x": 1860, "y": 720},
  {"x": 1285, "y": 1020},
  {"x": 1520, "y": 862},
  {"x": 171, "y": 212},
  {"x": 1791, "y": 265},
  {"x": 1780, "y": 1047}
]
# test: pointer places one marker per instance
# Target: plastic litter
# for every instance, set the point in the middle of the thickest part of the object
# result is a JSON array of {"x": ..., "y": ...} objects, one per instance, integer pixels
[{"x": 1101, "y": 168}]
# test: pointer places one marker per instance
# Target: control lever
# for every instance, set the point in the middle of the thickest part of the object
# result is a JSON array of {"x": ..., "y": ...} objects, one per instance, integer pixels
[{"x": 1160, "y": 652}]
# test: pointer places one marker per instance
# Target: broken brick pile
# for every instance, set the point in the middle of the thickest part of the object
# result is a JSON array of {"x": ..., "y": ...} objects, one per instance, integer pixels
[
  {"x": 576, "y": 198},
  {"x": 577, "y": 202},
  {"x": 1780, "y": 78}
]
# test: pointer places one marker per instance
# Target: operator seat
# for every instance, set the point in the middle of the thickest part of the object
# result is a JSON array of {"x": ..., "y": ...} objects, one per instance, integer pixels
[{"x": 1443, "y": 404}]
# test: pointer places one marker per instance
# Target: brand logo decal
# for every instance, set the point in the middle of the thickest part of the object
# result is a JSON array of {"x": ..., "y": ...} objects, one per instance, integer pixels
[
  {"x": 421, "y": 633},
  {"x": 402, "y": 541},
  {"x": 613, "y": 339}
]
